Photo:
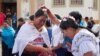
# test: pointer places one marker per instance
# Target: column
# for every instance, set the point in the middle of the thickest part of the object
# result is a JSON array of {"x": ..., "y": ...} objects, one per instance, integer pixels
[
  {"x": 32, "y": 6},
  {"x": 18, "y": 8},
  {"x": 99, "y": 8},
  {"x": 23, "y": 8}
]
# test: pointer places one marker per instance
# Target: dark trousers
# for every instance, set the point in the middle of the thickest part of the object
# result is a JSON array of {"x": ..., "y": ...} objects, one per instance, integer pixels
[
  {"x": 29, "y": 54},
  {"x": 5, "y": 50},
  {"x": 63, "y": 52},
  {"x": 32, "y": 53}
]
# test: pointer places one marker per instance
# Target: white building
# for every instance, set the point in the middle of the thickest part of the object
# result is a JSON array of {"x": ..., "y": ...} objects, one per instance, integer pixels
[{"x": 90, "y": 8}]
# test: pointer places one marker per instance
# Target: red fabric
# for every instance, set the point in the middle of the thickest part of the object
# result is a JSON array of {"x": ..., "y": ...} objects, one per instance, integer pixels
[{"x": 2, "y": 16}]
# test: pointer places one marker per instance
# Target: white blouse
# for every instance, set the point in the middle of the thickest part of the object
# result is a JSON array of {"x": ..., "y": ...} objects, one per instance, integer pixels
[
  {"x": 57, "y": 35},
  {"x": 83, "y": 42}
]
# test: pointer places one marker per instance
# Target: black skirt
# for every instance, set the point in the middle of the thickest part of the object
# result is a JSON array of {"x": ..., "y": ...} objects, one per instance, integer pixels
[
  {"x": 5, "y": 50},
  {"x": 29, "y": 54}
]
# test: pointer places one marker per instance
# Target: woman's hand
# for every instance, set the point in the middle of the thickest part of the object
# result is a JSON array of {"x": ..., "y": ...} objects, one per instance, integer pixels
[
  {"x": 52, "y": 17},
  {"x": 46, "y": 52},
  {"x": 45, "y": 9}
]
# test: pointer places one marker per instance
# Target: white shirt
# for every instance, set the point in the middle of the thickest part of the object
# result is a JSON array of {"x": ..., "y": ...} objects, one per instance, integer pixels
[
  {"x": 83, "y": 42},
  {"x": 57, "y": 35},
  {"x": 96, "y": 29}
]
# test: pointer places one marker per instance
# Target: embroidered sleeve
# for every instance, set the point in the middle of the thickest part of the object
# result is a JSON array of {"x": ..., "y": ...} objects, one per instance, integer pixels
[{"x": 87, "y": 46}]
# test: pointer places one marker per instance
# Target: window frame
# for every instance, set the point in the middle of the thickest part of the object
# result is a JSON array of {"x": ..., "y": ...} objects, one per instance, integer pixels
[
  {"x": 95, "y": 3},
  {"x": 59, "y": 4},
  {"x": 77, "y": 5}
]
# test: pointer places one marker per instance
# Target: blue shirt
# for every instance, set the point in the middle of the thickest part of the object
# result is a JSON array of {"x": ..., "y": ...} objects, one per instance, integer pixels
[
  {"x": 49, "y": 33},
  {"x": 8, "y": 36},
  {"x": 14, "y": 19},
  {"x": 67, "y": 39}
]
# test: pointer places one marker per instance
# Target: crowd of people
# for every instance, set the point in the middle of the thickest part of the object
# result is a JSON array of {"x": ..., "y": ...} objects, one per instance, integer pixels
[
  {"x": 8, "y": 25},
  {"x": 48, "y": 34}
]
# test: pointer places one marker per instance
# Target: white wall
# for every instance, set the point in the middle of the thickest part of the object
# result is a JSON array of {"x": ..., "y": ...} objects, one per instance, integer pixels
[
  {"x": 25, "y": 9},
  {"x": 38, "y": 3},
  {"x": 64, "y": 11}
]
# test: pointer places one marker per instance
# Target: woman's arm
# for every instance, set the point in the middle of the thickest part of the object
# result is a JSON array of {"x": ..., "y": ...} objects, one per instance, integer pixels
[
  {"x": 34, "y": 48},
  {"x": 88, "y": 54},
  {"x": 87, "y": 48},
  {"x": 51, "y": 15},
  {"x": 40, "y": 49},
  {"x": 57, "y": 47}
]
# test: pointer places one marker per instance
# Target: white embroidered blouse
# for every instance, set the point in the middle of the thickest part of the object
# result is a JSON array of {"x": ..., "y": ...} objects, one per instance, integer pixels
[{"x": 83, "y": 42}]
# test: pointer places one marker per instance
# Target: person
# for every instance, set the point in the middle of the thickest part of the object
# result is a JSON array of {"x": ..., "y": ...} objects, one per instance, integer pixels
[
  {"x": 58, "y": 16},
  {"x": 96, "y": 30},
  {"x": 2, "y": 17},
  {"x": 7, "y": 35},
  {"x": 9, "y": 20},
  {"x": 57, "y": 35},
  {"x": 92, "y": 21},
  {"x": 83, "y": 23},
  {"x": 49, "y": 28},
  {"x": 77, "y": 16},
  {"x": 71, "y": 32},
  {"x": 14, "y": 20},
  {"x": 8, "y": 12},
  {"x": 31, "y": 17},
  {"x": 78, "y": 19},
  {"x": 32, "y": 38},
  {"x": 21, "y": 21},
  {"x": 83, "y": 43},
  {"x": 89, "y": 23},
  {"x": 62, "y": 51}
]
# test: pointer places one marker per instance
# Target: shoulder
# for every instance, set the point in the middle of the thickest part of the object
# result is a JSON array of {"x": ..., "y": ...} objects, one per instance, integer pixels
[
  {"x": 87, "y": 46},
  {"x": 83, "y": 35},
  {"x": 85, "y": 32},
  {"x": 56, "y": 29},
  {"x": 25, "y": 26}
]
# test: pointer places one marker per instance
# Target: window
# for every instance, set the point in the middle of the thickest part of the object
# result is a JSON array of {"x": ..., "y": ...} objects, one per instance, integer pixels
[
  {"x": 76, "y": 2},
  {"x": 58, "y": 2},
  {"x": 95, "y": 4}
]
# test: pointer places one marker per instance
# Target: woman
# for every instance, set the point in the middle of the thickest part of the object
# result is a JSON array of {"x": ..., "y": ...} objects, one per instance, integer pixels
[
  {"x": 32, "y": 38},
  {"x": 2, "y": 17},
  {"x": 84, "y": 42},
  {"x": 80, "y": 37},
  {"x": 57, "y": 36},
  {"x": 7, "y": 35}
]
